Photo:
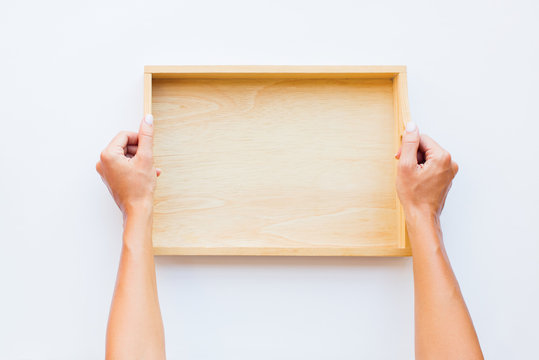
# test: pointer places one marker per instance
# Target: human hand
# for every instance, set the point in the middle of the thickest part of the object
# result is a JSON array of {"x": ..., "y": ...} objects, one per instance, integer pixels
[
  {"x": 126, "y": 167},
  {"x": 424, "y": 174}
]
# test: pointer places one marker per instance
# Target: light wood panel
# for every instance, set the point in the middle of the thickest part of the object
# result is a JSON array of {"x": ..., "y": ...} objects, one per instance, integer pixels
[
  {"x": 258, "y": 165},
  {"x": 147, "y": 94},
  {"x": 257, "y": 71}
]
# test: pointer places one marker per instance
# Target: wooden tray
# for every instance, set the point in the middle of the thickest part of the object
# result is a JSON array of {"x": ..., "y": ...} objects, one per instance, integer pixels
[{"x": 277, "y": 160}]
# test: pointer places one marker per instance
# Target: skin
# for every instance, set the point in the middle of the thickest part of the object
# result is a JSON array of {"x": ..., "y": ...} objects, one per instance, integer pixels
[
  {"x": 135, "y": 328},
  {"x": 443, "y": 326}
]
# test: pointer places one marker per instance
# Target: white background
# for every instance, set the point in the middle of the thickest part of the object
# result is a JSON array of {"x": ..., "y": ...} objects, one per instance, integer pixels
[{"x": 72, "y": 77}]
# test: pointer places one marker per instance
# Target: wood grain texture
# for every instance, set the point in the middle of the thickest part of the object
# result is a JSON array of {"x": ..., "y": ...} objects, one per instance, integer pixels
[
  {"x": 272, "y": 71},
  {"x": 276, "y": 166},
  {"x": 147, "y": 94},
  {"x": 402, "y": 116}
]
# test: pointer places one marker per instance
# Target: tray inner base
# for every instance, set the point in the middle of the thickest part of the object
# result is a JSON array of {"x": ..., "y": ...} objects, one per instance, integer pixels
[{"x": 274, "y": 163}]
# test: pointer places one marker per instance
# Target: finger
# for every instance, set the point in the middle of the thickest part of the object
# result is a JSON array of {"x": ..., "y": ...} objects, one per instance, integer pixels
[
  {"x": 131, "y": 149},
  {"x": 410, "y": 145},
  {"x": 145, "y": 137},
  {"x": 420, "y": 156},
  {"x": 429, "y": 147},
  {"x": 398, "y": 153},
  {"x": 123, "y": 139}
]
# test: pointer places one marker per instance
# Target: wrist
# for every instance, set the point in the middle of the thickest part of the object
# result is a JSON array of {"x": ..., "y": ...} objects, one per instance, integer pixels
[
  {"x": 138, "y": 208},
  {"x": 421, "y": 215},
  {"x": 422, "y": 219},
  {"x": 138, "y": 220},
  {"x": 423, "y": 227},
  {"x": 138, "y": 215}
]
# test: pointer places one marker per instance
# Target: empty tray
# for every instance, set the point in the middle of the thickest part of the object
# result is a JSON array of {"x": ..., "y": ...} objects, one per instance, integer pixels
[{"x": 277, "y": 160}]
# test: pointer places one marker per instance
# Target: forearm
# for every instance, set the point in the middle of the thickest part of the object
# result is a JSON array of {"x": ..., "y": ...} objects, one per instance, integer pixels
[
  {"x": 135, "y": 328},
  {"x": 444, "y": 329}
]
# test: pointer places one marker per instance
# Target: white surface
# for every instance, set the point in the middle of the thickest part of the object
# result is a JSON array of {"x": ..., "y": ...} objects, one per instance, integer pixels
[{"x": 72, "y": 78}]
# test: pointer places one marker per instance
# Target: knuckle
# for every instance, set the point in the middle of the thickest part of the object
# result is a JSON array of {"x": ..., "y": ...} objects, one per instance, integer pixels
[
  {"x": 147, "y": 135},
  {"x": 455, "y": 168},
  {"x": 426, "y": 137},
  {"x": 445, "y": 157},
  {"x": 104, "y": 156},
  {"x": 410, "y": 142}
]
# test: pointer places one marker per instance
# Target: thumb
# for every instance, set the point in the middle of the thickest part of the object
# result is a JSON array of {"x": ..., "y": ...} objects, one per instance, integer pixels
[
  {"x": 410, "y": 145},
  {"x": 145, "y": 137}
]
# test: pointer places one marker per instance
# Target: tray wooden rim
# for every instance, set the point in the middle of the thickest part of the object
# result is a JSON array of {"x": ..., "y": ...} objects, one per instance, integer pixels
[
  {"x": 402, "y": 115},
  {"x": 374, "y": 251}
]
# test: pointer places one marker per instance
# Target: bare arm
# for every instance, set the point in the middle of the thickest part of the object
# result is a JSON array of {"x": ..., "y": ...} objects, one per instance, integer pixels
[
  {"x": 443, "y": 326},
  {"x": 135, "y": 328}
]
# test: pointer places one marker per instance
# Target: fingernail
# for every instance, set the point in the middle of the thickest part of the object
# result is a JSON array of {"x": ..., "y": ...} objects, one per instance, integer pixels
[
  {"x": 411, "y": 126},
  {"x": 149, "y": 119}
]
